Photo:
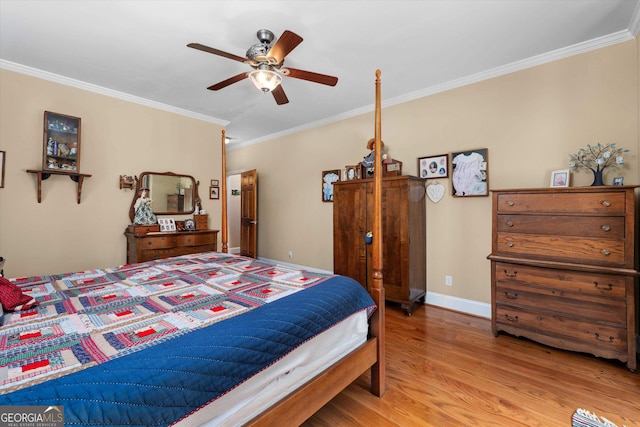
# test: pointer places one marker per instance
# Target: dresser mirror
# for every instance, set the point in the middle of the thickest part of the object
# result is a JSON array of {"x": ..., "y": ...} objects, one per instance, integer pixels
[{"x": 170, "y": 193}]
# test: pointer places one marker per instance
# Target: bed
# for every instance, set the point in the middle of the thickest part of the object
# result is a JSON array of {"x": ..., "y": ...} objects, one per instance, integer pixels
[{"x": 208, "y": 338}]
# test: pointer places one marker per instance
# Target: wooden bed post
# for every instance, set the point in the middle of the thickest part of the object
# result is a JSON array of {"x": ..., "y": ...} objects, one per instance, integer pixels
[
  {"x": 377, "y": 291},
  {"x": 223, "y": 190}
]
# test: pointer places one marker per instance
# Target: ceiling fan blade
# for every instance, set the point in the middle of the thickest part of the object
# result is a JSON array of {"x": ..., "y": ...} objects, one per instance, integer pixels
[
  {"x": 229, "y": 81},
  {"x": 279, "y": 95},
  {"x": 216, "y": 52},
  {"x": 309, "y": 76},
  {"x": 284, "y": 45}
]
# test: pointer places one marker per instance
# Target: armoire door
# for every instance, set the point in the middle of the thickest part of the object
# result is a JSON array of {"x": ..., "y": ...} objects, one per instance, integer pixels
[
  {"x": 394, "y": 247},
  {"x": 349, "y": 222}
]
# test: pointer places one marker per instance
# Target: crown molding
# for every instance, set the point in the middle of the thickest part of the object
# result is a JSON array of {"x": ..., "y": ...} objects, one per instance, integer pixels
[
  {"x": 577, "y": 49},
  {"x": 45, "y": 75}
]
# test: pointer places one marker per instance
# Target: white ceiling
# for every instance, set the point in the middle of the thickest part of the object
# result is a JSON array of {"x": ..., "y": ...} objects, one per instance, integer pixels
[{"x": 137, "y": 50}]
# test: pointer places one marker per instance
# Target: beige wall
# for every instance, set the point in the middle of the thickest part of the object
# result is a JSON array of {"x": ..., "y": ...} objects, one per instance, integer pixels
[
  {"x": 118, "y": 137},
  {"x": 530, "y": 121}
]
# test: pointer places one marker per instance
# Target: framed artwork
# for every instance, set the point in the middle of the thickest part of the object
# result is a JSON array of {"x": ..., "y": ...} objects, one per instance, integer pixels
[
  {"x": 617, "y": 180},
  {"x": 470, "y": 173},
  {"x": 214, "y": 192},
  {"x": 351, "y": 172},
  {"x": 560, "y": 178},
  {"x": 328, "y": 178},
  {"x": 215, "y": 183},
  {"x": 433, "y": 166},
  {"x": 3, "y": 155},
  {"x": 189, "y": 224},
  {"x": 167, "y": 224}
]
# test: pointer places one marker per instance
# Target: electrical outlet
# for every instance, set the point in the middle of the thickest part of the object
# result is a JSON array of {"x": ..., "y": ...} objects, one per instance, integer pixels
[
  {"x": 290, "y": 254},
  {"x": 448, "y": 280}
]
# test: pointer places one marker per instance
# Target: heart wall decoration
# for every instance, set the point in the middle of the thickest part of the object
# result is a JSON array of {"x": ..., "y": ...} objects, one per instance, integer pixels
[{"x": 435, "y": 192}]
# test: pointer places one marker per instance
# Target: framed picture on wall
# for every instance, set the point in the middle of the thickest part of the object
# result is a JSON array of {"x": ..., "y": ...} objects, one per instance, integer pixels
[
  {"x": 433, "y": 166},
  {"x": 214, "y": 192},
  {"x": 470, "y": 173},
  {"x": 328, "y": 178}
]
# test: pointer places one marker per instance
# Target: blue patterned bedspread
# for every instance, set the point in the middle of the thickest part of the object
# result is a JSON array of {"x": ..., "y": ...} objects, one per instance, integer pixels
[{"x": 148, "y": 344}]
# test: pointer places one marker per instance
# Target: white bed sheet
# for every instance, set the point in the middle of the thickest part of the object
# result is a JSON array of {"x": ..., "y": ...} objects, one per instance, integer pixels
[{"x": 269, "y": 386}]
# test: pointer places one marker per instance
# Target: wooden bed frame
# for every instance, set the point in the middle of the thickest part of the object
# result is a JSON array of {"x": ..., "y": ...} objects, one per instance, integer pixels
[{"x": 307, "y": 400}]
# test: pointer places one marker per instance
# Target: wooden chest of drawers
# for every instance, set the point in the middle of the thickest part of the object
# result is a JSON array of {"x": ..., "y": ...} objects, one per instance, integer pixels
[
  {"x": 564, "y": 268},
  {"x": 152, "y": 246}
]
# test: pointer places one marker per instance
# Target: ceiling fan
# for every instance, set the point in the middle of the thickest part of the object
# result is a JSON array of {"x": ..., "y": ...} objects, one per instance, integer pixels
[{"x": 267, "y": 62}]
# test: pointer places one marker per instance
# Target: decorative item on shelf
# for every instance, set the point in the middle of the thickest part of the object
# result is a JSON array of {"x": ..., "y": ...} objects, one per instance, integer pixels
[
  {"x": 560, "y": 178},
  {"x": 61, "y": 148},
  {"x": 617, "y": 180},
  {"x": 126, "y": 182},
  {"x": 597, "y": 158},
  {"x": 143, "y": 211},
  {"x": 435, "y": 191},
  {"x": 189, "y": 224}
]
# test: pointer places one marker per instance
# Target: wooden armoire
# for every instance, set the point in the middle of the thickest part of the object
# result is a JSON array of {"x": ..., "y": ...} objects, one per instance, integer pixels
[{"x": 403, "y": 241}]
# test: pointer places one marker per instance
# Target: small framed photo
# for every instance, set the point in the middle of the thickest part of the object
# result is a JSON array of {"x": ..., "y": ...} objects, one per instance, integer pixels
[
  {"x": 617, "y": 180},
  {"x": 214, "y": 192},
  {"x": 189, "y": 224},
  {"x": 351, "y": 172},
  {"x": 560, "y": 178},
  {"x": 167, "y": 224},
  {"x": 215, "y": 183},
  {"x": 328, "y": 178},
  {"x": 434, "y": 166},
  {"x": 470, "y": 173}
]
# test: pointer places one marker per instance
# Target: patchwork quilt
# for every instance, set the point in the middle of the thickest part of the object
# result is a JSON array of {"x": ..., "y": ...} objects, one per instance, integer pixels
[{"x": 148, "y": 343}]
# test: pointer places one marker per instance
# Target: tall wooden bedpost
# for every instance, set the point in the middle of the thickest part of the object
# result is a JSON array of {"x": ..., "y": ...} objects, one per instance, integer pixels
[
  {"x": 223, "y": 190},
  {"x": 377, "y": 291}
]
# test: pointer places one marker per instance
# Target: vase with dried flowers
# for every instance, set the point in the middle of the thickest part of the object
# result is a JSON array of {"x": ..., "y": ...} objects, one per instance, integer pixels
[{"x": 597, "y": 158}]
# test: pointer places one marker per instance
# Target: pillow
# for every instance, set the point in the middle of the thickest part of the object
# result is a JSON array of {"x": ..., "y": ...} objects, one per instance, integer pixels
[{"x": 12, "y": 298}]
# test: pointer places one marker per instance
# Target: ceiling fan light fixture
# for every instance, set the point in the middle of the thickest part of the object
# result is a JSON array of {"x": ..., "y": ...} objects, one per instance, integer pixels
[{"x": 265, "y": 79}]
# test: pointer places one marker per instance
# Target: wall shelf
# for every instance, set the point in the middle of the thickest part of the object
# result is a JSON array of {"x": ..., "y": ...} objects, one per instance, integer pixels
[{"x": 42, "y": 175}]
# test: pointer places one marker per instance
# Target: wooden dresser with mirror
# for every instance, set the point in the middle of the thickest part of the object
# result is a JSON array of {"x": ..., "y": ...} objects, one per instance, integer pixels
[{"x": 147, "y": 242}]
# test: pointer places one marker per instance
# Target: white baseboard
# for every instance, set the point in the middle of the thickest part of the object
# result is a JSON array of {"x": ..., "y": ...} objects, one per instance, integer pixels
[
  {"x": 296, "y": 266},
  {"x": 235, "y": 250},
  {"x": 459, "y": 304}
]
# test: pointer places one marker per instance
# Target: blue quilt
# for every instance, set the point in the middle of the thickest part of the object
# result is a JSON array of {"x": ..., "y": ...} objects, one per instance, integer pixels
[{"x": 162, "y": 383}]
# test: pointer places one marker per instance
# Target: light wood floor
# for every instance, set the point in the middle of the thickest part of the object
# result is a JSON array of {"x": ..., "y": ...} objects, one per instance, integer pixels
[{"x": 447, "y": 369}]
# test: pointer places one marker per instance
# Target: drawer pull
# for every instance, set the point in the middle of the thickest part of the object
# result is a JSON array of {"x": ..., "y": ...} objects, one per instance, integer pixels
[
  {"x": 511, "y": 318},
  {"x": 509, "y": 224},
  {"x": 510, "y": 295},
  {"x": 606, "y": 252},
  {"x": 606, "y": 228},
  {"x": 606, "y": 203},
  {"x": 510, "y": 203},
  {"x": 606, "y": 287},
  {"x": 513, "y": 275},
  {"x": 510, "y": 244},
  {"x": 610, "y": 340}
]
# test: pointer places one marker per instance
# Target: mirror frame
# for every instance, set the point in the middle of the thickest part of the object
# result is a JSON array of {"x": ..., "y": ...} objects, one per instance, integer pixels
[{"x": 138, "y": 192}]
